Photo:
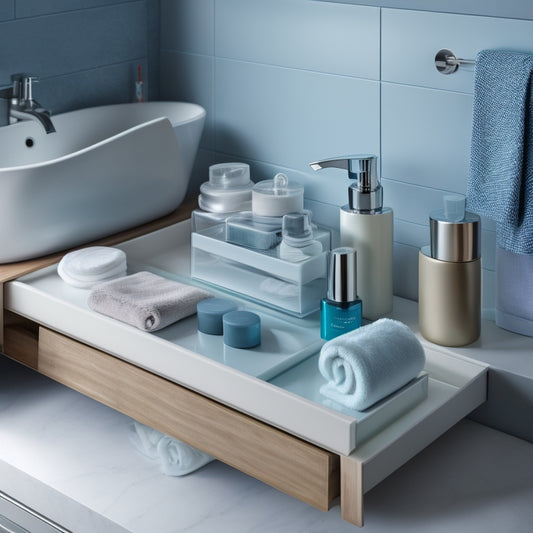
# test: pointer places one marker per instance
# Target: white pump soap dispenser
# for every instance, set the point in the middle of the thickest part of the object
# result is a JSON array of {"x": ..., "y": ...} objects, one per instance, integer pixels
[{"x": 367, "y": 226}]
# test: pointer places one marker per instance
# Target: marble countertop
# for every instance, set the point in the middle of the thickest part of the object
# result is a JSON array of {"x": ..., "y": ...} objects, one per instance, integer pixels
[{"x": 70, "y": 458}]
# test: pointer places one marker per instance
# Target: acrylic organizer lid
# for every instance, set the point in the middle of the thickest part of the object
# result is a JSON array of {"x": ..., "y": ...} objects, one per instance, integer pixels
[
  {"x": 296, "y": 229},
  {"x": 454, "y": 232},
  {"x": 228, "y": 190},
  {"x": 277, "y": 197}
]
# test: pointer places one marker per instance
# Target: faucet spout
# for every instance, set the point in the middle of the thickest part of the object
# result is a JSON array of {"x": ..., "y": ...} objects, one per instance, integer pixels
[
  {"x": 37, "y": 114},
  {"x": 17, "y": 102}
]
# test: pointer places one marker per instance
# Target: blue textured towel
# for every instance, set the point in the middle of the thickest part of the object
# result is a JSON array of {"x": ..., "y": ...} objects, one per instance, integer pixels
[{"x": 500, "y": 184}]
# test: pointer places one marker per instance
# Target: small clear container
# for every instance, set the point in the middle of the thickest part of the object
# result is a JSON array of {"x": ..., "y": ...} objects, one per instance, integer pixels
[
  {"x": 298, "y": 240},
  {"x": 277, "y": 197},
  {"x": 228, "y": 191},
  {"x": 259, "y": 233}
]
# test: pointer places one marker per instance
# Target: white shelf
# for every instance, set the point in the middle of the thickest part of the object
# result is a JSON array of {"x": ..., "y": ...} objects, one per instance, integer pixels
[{"x": 456, "y": 384}]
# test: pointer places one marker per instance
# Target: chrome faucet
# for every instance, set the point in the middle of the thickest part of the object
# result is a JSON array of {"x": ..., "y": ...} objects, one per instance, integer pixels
[{"x": 17, "y": 101}]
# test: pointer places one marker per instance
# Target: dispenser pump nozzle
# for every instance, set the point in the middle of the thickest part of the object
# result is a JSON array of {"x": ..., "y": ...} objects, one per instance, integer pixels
[{"x": 366, "y": 194}]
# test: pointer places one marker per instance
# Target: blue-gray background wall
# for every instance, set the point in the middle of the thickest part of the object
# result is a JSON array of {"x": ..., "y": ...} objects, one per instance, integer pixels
[{"x": 86, "y": 52}]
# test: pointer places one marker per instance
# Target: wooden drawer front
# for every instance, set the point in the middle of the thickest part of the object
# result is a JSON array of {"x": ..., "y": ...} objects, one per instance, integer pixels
[{"x": 280, "y": 460}]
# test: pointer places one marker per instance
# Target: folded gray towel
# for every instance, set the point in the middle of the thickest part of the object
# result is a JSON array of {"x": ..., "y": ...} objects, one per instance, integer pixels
[{"x": 145, "y": 300}]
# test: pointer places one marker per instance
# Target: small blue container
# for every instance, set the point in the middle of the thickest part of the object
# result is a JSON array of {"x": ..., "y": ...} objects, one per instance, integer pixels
[
  {"x": 210, "y": 313},
  {"x": 242, "y": 329}
]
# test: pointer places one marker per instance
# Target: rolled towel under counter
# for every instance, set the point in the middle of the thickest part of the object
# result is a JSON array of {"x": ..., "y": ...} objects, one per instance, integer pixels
[{"x": 176, "y": 458}]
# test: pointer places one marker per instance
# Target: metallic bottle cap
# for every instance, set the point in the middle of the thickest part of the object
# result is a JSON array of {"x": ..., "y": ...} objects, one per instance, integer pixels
[
  {"x": 455, "y": 234},
  {"x": 366, "y": 194},
  {"x": 342, "y": 285}
]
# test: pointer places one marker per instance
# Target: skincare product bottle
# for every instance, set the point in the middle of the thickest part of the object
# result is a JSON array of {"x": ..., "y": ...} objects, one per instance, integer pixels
[
  {"x": 229, "y": 190},
  {"x": 298, "y": 240},
  {"x": 367, "y": 226},
  {"x": 449, "y": 276},
  {"x": 341, "y": 311}
]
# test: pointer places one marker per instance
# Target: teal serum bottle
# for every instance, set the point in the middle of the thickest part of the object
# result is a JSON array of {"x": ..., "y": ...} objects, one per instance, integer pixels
[{"x": 342, "y": 310}]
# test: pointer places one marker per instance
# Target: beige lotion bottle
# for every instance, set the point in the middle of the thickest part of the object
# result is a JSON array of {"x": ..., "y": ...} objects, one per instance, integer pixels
[
  {"x": 367, "y": 226},
  {"x": 449, "y": 276}
]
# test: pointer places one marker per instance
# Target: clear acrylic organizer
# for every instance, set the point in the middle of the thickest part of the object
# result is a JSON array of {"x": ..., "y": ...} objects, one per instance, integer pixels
[{"x": 261, "y": 276}]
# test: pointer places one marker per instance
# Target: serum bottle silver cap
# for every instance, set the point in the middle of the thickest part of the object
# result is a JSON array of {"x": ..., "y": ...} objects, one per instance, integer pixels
[{"x": 342, "y": 283}]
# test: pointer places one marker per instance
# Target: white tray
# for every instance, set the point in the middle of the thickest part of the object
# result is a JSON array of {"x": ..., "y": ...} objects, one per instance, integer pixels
[{"x": 290, "y": 401}]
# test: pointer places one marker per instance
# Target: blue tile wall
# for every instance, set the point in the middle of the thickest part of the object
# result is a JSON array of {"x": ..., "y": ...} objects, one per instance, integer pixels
[
  {"x": 188, "y": 26},
  {"x": 285, "y": 82},
  {"x": 301, "y": 35},
  {"x": 427, "y": 116},
  {"x": 32, "y": 8},
  {"x": 7, "y": 10},
  {"x": 85, "y": 52}
]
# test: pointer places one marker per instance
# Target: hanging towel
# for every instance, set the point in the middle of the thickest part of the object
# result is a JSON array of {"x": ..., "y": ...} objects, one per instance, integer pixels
[
  {"x": 365, "y": 365},
  {"x": 500, "y": 183},
  {"x": 176, "y": 458},
  {"x": 145, "y": 300}
]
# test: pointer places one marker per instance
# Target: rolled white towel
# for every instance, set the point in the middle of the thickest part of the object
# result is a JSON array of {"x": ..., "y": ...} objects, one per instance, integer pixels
[
  {"x": 365, "y": 365},
  {"x": 178, "y": 458},
  {"x": 145, "y": 439},
  {"x": 175, "y": 457}
]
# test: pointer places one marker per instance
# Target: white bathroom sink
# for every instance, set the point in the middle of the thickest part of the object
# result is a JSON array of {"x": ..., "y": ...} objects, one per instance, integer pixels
[{"x": 105, "y": 169}]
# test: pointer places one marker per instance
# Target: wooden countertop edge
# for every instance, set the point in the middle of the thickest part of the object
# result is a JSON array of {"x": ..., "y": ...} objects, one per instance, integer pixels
[{"x": 12, "y": 271}]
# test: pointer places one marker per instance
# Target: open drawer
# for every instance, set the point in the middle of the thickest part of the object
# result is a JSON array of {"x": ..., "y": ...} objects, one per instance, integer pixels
[{"x": 256, "y": 409}]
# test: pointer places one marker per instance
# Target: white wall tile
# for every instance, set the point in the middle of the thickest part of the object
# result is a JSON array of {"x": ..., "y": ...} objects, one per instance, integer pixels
[
  {"x": 188, "y": 26},
  {"x": 425, "y": 136},
  {"x": 301, "y": 116},
  {"x": 335, "y": 38},
  {"x": 416, "y": 235},
  {"x": 405, "y": 271},
  {"x": 189, "y": 78},
  {"x": 411, "y": 203},
  {"x": 410, "y": 40},
  {"x": 488, "y": 248},
  {"x": 488, "y": 288},
  {"x": 7, "y": 10}
]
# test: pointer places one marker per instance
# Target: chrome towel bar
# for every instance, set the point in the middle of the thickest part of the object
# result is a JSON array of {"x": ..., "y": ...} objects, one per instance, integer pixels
[{"x": 447, "y": 63}]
